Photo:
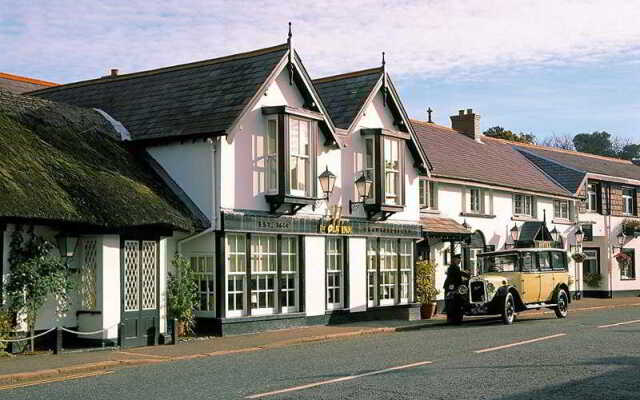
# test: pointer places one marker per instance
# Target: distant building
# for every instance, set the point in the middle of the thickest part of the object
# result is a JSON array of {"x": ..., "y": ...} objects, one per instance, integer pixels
[{"x": 22, "y": 84}]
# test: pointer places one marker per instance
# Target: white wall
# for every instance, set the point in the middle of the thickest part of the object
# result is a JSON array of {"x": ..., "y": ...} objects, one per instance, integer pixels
[
  {"x": 357, "y": 274},
  {"x": 109, "y": 299},
  {"x": 314, "y": 278},
  {"x": 190, "y": 166}
]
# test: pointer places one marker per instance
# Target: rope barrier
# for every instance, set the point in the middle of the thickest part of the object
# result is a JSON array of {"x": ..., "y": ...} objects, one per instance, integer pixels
[
  {"x": 89, "y": 333},
  {"x": 27, "y": 338}
]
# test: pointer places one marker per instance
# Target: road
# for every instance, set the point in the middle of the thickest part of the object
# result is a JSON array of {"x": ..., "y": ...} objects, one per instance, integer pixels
[{"x": 540, "y": 357}]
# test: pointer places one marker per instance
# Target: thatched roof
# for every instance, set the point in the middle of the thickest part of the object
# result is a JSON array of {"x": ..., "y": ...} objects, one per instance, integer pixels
[{"x": 63, "y": 164}]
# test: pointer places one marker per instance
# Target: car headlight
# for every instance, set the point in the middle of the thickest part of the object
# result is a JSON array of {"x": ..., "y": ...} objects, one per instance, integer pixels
[
  {"x": 462, "y": 289},
  {"x": 451, "y": 287}
]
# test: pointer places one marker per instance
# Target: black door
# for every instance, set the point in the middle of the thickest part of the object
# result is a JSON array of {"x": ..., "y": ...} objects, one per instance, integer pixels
[{"x": 139, "y": 292}]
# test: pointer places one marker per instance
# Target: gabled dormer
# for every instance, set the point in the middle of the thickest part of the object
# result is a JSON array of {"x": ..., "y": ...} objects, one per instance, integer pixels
[{"x": 385, "y": 151}]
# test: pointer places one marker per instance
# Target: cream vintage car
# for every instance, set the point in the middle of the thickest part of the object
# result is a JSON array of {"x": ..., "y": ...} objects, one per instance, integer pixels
[{"x": 512, "y": 281}]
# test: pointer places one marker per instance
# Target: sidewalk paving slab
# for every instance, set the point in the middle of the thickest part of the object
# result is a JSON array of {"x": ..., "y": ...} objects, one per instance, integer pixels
[{"x": 45, "y": 365}]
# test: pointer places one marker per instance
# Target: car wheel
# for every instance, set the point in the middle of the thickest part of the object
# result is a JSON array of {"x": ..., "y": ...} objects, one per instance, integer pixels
[
  {"x": 509, "y": 311},
  {"x": 562, "y": 309}
]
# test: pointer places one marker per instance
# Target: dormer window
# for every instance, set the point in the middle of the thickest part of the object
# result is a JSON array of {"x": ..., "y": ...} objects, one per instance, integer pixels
[
  {"x": 384, "y": 165},
  {"x": 290, "y": 158}
]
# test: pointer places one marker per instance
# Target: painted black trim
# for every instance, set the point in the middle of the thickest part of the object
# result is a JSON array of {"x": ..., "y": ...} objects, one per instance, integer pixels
[
  {"x": 248, "y": 287},
  {"x": 345, "y": 272},
  {"x": 221, "y": 280},
  {"x": 301, "y": 272}
]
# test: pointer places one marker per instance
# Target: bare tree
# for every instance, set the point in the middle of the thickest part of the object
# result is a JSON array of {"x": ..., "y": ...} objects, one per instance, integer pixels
[{"x": 564, "y": 142}]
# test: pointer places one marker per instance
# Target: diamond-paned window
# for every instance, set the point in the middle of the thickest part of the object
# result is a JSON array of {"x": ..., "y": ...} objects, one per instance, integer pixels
[
  {"x": 131, "y": 275},
  {"x": 88, "y": 272},
  {"x": 149, "y": 270}
]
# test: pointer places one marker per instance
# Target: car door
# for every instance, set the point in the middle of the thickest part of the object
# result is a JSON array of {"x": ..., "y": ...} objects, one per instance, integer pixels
[
  {"x": 560, "y": 271},
  {"x": 547, "y": 279},
  {"x": 529, "y": 278}
]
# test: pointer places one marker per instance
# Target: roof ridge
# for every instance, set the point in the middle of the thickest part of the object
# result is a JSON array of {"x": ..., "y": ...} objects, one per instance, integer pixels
[
  {"x": 26, "y": 79},
  {"x": 574, "y": 152},
  {"x": 347, "y": 75},
  {"x": 195, "y": 64},
  {"x": 426, "y": 123}
]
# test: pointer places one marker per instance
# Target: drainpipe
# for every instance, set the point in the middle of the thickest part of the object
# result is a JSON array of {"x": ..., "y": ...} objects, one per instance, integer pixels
[
  {"x": 214, "y": 210},
  {"x": 609, "y": 242}
]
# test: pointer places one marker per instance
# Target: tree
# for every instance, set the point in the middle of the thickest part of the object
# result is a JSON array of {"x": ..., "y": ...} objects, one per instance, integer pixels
[
  {"x": 35, "y": 275},
  {"x": 630, "y": 151},
  {"x": 599, "y": 143},
  {"x": 501, "y": 133},
  {"x": 564, "y": 142},
  {"x": 182, "y": 293}
]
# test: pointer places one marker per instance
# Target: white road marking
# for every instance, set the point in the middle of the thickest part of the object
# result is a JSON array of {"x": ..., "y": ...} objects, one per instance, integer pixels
[
  {"x": 619, "y": 323},
  {"x": 506, "y": 346},
  {"x": 337, "y": 380}
]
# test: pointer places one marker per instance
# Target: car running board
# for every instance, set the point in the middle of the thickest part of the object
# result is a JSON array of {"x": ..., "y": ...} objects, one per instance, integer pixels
[{"x": 538, "y": 306}]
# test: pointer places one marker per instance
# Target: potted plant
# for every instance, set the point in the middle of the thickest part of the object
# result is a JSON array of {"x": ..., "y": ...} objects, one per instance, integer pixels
[
  {"x": 631, "y": 227},
  {"x": 592, "y": 279},
  {"x": 182, "y": 295},
  {"x": 578, "y": 257},
  {"x": 425, "y": 288}
]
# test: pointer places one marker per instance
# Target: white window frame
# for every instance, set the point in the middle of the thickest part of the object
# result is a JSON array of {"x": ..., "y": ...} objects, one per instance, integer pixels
[
  {"x": 433, "y": 195},
  {"x": 239, "y": 275},
  {"x": 526, "y": 201},
  {"x": 628, "y": 208},
  {"x": 299, "y": 156},
  {"x": 372, "y": 272},
  {"x": 271, "y": 158},
  {"x": 392, "y": 168},
  {"x": 335, "y": 272},
  {"x": 290, "y": 268},
  {"x": 406, "y": 271},
  {"x": 423, "y": 193},
  {"x": 264, "y": 270},
  {"x": 203, "y": 266},
  {"x": 476, "y": 206},
  {"x": 369, "y": 169},
  {"x": 561, "y": 209},
  {"x": 592, "y": 197},
  {"x": 388, "y": 271}
]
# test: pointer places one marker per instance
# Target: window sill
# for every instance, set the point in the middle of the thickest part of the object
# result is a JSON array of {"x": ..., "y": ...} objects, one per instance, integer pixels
[
  {"x": 627, "y": 279},
  {"x": 429, "y": 211},
  {"x": 522, "y": 218},
  {"x": 562, "y": 221},
  {"x": 230, "y": 320},
  {"x": 476, "y": 215}
]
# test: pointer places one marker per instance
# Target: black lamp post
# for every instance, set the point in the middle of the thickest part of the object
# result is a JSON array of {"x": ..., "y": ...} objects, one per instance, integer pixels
[
  {"x": 67, "y": 244},
  {"x": 327, "y": 182},
  {"x": 579, "y": 236},
  {"x": 363, "y": 186},
  {"x": 514, "y": 233}
]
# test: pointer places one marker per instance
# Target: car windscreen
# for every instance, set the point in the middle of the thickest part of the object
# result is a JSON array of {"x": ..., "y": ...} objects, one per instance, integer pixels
[{"x": 500, "y": 263}]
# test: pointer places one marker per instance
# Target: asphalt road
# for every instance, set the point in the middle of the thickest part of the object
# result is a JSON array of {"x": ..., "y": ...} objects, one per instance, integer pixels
[{"x": 560, "y": 359}]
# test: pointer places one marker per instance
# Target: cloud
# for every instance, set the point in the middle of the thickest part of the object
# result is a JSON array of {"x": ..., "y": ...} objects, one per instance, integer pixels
[{"x": 66, "y": 40}]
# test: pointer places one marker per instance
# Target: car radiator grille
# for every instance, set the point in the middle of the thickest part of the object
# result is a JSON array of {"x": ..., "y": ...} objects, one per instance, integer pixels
[{"x": 477, "y": 291}]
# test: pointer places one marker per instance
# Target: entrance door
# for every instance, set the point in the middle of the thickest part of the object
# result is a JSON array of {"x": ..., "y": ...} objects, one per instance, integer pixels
[{"x": 140, "y": 277}]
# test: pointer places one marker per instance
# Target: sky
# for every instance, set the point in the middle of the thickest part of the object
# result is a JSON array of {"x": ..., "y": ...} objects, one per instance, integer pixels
[{"x": 543, "y": 67}]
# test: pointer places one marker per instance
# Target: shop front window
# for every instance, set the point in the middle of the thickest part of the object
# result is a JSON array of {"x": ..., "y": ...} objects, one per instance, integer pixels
[
  {"x": 388, "y": 271},
  {"x": 289, "y": 274},
  {"x": 406, "y": 271},
  {"x": 335, "y": 273},
  {"x": 236, "y": 274},
  {"x": 372, "y": 271},
  {"x": 203, "y": 273},
  {"x": 263, "y": 274}
]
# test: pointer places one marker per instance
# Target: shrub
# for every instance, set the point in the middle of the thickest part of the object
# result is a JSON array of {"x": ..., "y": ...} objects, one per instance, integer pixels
[
  {"x": 426, "y": 291},
  {"x": 592, "y": 279},
  {"x": 182, "y": 292},
  {"x": 6, "y": 326}
]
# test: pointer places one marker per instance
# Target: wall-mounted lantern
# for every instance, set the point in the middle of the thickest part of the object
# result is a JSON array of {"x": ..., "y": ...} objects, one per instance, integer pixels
[
  {"x": 363, "y": 186},
  {"x": 67, "y": 244},
  {"x": 555, "y": 235},
  {"x": 514, "y": 233},
  {"x": 579, "y": 236},
  {"x": 327, "y": 182}
]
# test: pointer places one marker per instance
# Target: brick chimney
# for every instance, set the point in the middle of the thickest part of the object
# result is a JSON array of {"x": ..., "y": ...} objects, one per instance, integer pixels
[
  {"x": 467, "y": 123},
  {"x": 114, "y": 72}
]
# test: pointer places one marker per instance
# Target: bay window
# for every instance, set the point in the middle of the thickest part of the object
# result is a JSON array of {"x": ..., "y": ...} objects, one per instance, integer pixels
[
  {"x": 383, "y": 163},
  {"x": 290, "y": 158},
  {"x": 335, "y": 273}
]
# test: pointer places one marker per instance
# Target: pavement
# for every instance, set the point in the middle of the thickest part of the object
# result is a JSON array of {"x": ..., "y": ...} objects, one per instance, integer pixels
[{"x": 24, "y": 370}]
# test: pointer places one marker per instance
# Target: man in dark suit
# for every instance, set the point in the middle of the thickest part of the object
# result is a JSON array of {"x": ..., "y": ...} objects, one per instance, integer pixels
[{"x": 454, "y": 273}]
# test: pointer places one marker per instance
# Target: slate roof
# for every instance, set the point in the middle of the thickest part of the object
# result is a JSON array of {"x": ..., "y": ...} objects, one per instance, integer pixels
[
  {"x": 63, "y": 164},
  {"x": 345, "y": 94},
  {"x": 21, "y": 84},
  {"x": 530, "y": 230},
  {"x": 199, "y": 98},
  {"x": 567, "y": 177},
  {"x": 585, "y": 162},
  {"x": 456, "y": 156}
]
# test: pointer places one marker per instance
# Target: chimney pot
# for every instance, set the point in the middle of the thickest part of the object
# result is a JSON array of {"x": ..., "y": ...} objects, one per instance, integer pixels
[
  {"x": 460, "y": 112},
  {"x": 114, "y": 72},
  {"x": 469, "y": 111}
]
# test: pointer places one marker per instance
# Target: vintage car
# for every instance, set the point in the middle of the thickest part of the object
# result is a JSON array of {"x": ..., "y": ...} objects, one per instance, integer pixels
[{"x": 512, "y": 281}]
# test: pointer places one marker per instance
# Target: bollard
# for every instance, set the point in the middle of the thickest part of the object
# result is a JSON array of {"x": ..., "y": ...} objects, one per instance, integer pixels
[
  {"x": 121, "y": 335},
  {"x": 174, "y": 331},
  {"x": 58, "y": 348}
]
